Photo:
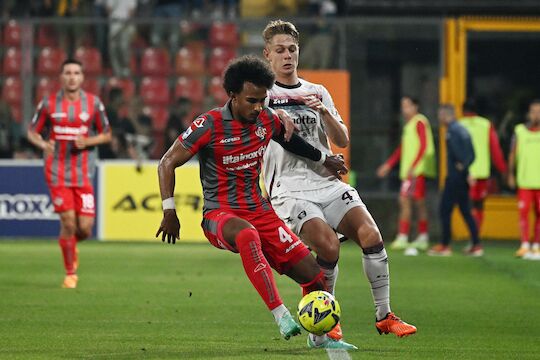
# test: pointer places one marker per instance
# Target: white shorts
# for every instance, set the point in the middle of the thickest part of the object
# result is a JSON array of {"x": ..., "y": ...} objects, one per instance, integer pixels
[{"x": 329, "y": 204}]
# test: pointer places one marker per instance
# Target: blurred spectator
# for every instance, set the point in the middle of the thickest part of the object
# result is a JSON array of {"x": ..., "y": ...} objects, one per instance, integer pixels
[
  {"x": 140, "y": 139},
  {"x": 224, "y": 8},
  {"x": 179, "y": 120},
  {"x": 24, "y": 150},
  {"x": 317, "y": 54},
  {"x": 100, "y": 12},
  {"x": 121, "y": 31},
  {"x": 167, "y": 9},
  {"x": 9, "y": 131}
]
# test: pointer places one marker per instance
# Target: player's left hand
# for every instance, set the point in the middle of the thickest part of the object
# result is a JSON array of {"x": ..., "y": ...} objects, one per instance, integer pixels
[
  {"x": 314, "y": 103},
  {"x": 288, "y": 122},
  {"x": 80, "y": 142},
  {"x": 170, "y": 227},
  {"x": 336, "y": 165}
]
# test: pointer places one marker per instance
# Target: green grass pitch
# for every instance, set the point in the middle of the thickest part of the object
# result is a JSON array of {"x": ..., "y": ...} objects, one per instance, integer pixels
[{"x": 192, "y": 301}]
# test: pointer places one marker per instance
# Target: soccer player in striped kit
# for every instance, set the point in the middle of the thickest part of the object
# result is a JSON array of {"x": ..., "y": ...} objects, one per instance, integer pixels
[
  {"x": 75, "y": 123},
  {"x": 313, "y": 202},
  {"x": 230, "y": 142},
  {"x": 524, "y": 171}
]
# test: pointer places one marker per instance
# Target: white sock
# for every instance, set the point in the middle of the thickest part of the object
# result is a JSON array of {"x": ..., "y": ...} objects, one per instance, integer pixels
[
  {"x": 330, "y": 278},
  {"x": 318, "y": 339},
  {"x": 376, "y": 270},
  {"x": 535, "y": 247},
  {"x": 278, "y": 312},
  {"x": 525, "y": 245}
]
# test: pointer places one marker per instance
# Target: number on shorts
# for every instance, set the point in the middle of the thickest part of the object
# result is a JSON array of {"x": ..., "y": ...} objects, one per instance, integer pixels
[
  {"x": 87, "y": 201},
  {"x": 346, "y": 197},
  {"x": 284, "y": 236}
]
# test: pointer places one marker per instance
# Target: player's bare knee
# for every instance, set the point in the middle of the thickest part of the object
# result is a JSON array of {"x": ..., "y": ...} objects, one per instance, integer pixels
[
  {"x": 68, "y": 227},
  {"x": 84, "y": 233},
  {"x": 369, "y": 235}
]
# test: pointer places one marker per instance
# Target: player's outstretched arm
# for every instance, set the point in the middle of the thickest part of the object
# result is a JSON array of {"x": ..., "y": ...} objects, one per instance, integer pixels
[
  {"x": 176, "y": 156},
  {"x": 298, "y": 146}
]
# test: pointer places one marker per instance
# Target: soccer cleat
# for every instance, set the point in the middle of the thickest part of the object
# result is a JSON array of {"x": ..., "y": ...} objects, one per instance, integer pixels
[
  {"x": 473, "y": 250},
  {"x": 524, "y": 249},
  {"x": 288, "y": 327},
  {"x": 400, "y": 243},
  {"x": 329, "y": 343},
  {"x": 440, "y": 250},
  {"x": 532, "y": 255},
  {"x": 70, "y": 281},
  {"x": 335, "y": 333},
  {"x": 421, "y": 242},
  {"x": 393, "y": 324}
]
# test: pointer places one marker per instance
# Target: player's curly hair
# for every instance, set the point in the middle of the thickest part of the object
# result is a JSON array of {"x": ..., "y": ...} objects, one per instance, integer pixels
[
  {"x": 277, "y": 27},
  {"x": 248, "y": 68}
]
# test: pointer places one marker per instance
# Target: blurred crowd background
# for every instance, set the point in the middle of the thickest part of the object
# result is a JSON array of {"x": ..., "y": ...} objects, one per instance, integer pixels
[{"x": 157, "y": 64}]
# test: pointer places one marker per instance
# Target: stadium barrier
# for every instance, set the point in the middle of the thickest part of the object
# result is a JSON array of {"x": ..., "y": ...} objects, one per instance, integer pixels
[{"x": 130, "y": 202}]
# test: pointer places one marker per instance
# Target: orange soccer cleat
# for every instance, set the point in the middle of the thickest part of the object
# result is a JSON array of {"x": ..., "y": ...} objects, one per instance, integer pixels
[
  {"x": 522, "y": 251},
  {"x": 440, "y": 250},
  {"x": 70, "y": 281},
  {"x": 335, "y": 333},
  {"x": 393, "y": 324}
]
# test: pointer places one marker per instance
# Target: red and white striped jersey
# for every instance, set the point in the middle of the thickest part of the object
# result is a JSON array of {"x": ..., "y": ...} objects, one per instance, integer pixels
[
  {"x": 230, "y": 155},
  {"x": 64, "y": 121}
]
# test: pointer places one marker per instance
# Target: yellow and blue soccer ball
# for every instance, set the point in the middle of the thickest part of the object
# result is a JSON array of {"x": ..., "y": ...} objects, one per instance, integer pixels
[{"x": 318, "y": 312}]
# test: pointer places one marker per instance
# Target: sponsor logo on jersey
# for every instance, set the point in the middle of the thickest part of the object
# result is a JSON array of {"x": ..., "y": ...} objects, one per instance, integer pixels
[
  {"x": 58, "y": 115},
  {"x": 84, "y": 116},
  {"x": 304, "y": 120},
  {"x": 229, "y": 140},
  {"x": 233, "y": 159},
  {"x": 68, "y": 130},
  {"x": 260, "y": 132},
  {"x": 26, "y": 207},
  {"x": 186, "y": 133}
]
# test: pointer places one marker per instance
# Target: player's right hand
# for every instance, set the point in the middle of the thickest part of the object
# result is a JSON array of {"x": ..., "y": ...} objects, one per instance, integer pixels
[
  {"x": 48, "y": 148},
  {"x": 511, "y": 181},
  {"x": 170, "y": 227}
]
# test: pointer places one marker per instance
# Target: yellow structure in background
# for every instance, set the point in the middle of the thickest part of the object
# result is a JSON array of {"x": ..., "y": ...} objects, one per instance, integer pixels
[
  {"x": 130, "y": 203},
  {"x": 501, "y": 214}
]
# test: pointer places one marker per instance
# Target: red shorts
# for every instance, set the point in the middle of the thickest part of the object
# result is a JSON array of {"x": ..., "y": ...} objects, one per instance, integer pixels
[
  {"x": 414, "y": 188},
  {"x": 281, "y": 247},
  {"x": 479, "y": 190},
  {"x": 80, "y": 199}
]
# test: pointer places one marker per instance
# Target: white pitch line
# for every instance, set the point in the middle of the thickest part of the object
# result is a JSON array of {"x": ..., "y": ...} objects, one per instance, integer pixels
[{"x": 338, "y": 354}]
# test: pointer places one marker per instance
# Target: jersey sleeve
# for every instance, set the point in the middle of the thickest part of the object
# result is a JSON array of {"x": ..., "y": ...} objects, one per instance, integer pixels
[
  {"x": 197, "y": 135},
  {"x": 100, "y": 118},
  {"x": 275, "y": 121},
  {"x": 40, "y": 116},
  {"x": 328, "y": 102}
]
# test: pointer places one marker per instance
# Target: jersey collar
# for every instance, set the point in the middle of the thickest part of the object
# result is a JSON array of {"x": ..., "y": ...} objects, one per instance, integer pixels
[
  {"x": 295, "y": 86},
  {"x": 226, "y": 113}
]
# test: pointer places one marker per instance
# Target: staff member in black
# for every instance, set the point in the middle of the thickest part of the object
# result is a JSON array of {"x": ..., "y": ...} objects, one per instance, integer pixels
[{"x": 460, "y": 155}]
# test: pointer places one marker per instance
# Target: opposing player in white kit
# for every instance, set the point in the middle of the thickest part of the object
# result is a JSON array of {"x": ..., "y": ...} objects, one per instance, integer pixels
[{"x": 314, "y": 203}]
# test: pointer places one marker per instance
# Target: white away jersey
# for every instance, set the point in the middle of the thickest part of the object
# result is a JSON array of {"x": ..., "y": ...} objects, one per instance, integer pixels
[{"x": 284, "y": 171}]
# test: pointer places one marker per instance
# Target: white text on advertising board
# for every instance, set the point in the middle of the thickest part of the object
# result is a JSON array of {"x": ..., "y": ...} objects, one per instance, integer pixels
[{"x": 26, "y": 207}]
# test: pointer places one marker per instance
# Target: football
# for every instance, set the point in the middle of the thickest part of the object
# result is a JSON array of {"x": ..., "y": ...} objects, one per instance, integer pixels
[{"x": 318, "y": 312}]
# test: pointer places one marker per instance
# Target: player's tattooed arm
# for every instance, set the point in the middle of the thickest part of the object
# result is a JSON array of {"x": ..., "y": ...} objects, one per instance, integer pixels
[
  {"x": 287, "y": 122},
  {"x": 176, "y": 156}
]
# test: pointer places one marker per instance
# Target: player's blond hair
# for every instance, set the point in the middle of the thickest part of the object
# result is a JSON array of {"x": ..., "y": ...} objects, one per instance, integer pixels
[{"x": 278, "y": 27}]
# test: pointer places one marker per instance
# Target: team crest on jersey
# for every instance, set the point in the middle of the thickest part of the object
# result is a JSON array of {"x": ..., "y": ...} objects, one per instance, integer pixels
[
  {"x": 58, "y": 201},
  {"x": 260, "y": 132},
  {"x": 84, "y": 116}
]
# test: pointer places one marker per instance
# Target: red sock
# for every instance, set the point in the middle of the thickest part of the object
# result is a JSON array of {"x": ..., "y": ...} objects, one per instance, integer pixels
[
  {"x": 68, "y": 251},
  {"x": 256, "y": 267},
  {"x": 537, "y": 230},
  {"x": 316, "y": 284},
  {"x": 422, "y": 226},
  {"x": 524, "y": 225},
  {"x": 404, "y": 226}
]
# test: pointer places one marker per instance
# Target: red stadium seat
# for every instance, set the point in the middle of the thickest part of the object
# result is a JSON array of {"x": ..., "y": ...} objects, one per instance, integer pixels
[
  {"x": 126, "y": 84},
  {"x": 46, "y": 36},
  {"x": 12, "y": 91},
  {"x": 223, "y": 34},
  {"x": 49, "y": 61},
  {"x": 155, "y": 61},
  {"x": 91, "y": 59},
  {"x": 191, "y": 88},
  {"x": 12, "y": 62},
  {"x": 159, "y": 116},
  {"x": 219, "y": 59},
  {"x": 12, "y": 34},
  {"x": 155, "y": 91},
  {"x": 189, "y": 61},
  {"x": 92, "y": 85},
  {"x": 215, "y": 89},
  {"x": 46, "y": 86}
]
